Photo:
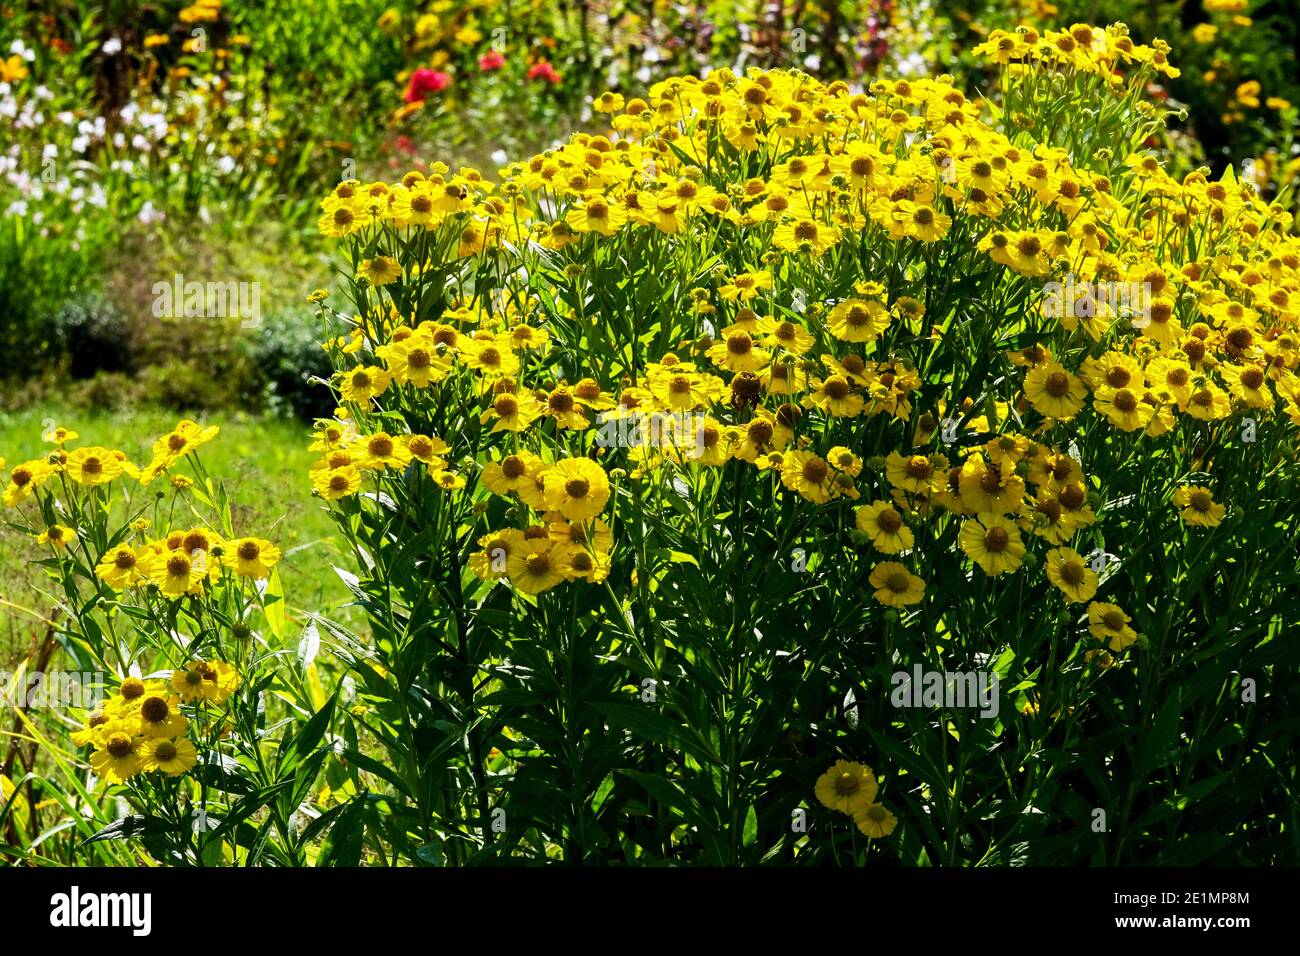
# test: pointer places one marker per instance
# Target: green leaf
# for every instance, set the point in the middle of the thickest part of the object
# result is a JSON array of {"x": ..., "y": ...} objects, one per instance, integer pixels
[{"x": 347, "y": 835}]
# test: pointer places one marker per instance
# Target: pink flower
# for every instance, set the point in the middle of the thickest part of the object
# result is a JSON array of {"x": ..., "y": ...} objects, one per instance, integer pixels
[
  {"x": 423, "y": 82},
  {"x": 491, "y": 60},
  {"x": 542, "y": 70}
]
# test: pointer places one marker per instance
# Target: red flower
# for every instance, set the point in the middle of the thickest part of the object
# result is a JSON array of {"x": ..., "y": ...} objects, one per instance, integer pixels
[
  {"x": 491, "y": 60},
  {"x": 542, "y": 70},
  {"x": 423, "y": 82}
]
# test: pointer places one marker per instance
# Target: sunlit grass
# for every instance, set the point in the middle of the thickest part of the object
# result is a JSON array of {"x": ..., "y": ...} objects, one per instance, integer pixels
[{"x": 264, "y": 462}]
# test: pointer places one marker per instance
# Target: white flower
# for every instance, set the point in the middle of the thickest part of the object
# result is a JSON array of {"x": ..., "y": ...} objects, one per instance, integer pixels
[
  {"x": 112, "y": 46},
  {"x": 149, "y": 215}
]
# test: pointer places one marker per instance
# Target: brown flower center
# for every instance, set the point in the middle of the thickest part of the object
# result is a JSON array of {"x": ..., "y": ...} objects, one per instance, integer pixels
[{"x": 996, "y": 539}]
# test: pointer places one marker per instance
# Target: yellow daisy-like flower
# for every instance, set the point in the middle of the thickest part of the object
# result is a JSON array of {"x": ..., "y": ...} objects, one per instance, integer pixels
[
  {"x": 251, "y": 557},
  {"x": 847, "y": 786},
  {"x": 176, "y": 572},
  {"x": 536, "y": 568},
  {"x": 212, "y": 681},
  {"x": 122, "y": 567},
  {"x": 895, "y": 585},
  {"x": 1198, "y": 506},
  {"x": 118, "y": 760},
  {"x": 335, "y": 483},
  {"x": 1109, "y": 623},
  {"x": 836, "y": 397},
  {"x": 1053, "y": 391},
  {"x": 1068, "y": 571},
  {"x": 805, "y": 235},
  {"x": 745, "y": 286},
  {"x": 57, "y": 536},
  {"x": 809, "y": 475},
  {"x": 578, "y": 488},
  {"x": 993, "y": 542},
  {"x": 361, "y": 384},
  {"x": 92, "y": 733},
  {"x": 844, "y": 461},
  {"x": 160, "y": 716},
  {"x": 493, "y": 561},
  {"x": 511, "y": 412},
  {"x": 511, "y": 472},
  {"x": 579, "y": 563},
  {"x": 914, "y": 473},
  {"x": 858, "y": 320},
  {"x": 563, "y": 405},
  {"x": 380, "y": 451},
  {"x": 738, "y": 353},
  {"x": 381, "y": 270},
  {"x": 882, "y": 522},
  {"x": 26, "y": 478},
  {"x": 415, "y": 361},
  {"x": 875, "y": 821},
  {"x": 172, "y": 756}
]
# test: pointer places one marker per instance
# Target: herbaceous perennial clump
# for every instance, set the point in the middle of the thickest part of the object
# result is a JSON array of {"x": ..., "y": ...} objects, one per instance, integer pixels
[
  {"x": 689, "y": 468},
  {"x": 175, "y": 615},
  {"x": 663, "y": 454}
]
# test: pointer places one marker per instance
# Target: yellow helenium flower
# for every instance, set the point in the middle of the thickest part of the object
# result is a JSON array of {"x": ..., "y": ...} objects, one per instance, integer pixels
[
  {"x": 1053, "y": 391},
  {"x": 160, "y": 716},
  {"x": 1068, "y": 571},
  {"x": 57, "y": 536},
  {"x": 1198, "y": 506},
  {"x": 251, "y": 557},
  {"x": 335, "y": 483},
  {"x": 874, "y": 820},
  {"x": 172, "y": 756},
  {"x": 895, "y": 585},
  {"x": 25, "y": 478},
  {"x": 858, "y": 320},
  {"x": 1109, "y": 623},
  {"x": 212, "y": 681},
  {"x": 993, "y": 542},
  {"x": 883, "y": 524},
  {"x": 847, "y": 786},
  {"x": 578, "y": 488},
  {"x": 809, "y": 475},
  {"x": 118, "y": 759},
  {"x": 361, "y": 384},
  {"x": 380, "y": 270},
  {"x": 536, "y": 568},
  {"x": 122, "y": 567}
]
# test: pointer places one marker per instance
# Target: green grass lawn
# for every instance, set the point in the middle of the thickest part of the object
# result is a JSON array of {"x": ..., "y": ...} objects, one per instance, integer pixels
[{"x": 263, "y": 462}]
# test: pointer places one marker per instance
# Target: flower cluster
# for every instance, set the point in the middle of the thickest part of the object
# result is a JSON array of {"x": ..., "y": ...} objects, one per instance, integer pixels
[
  {"x": 142, "y": 727},
  {"x": 851, "y": 788},
  {"x": 689, "y": 387}
]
